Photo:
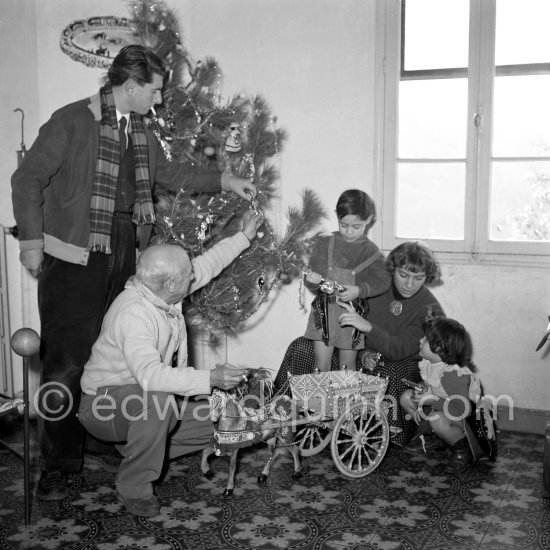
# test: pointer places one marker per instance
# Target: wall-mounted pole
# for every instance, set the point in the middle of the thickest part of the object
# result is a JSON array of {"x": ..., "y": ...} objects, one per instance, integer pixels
[{"x": 23, "y": 150}]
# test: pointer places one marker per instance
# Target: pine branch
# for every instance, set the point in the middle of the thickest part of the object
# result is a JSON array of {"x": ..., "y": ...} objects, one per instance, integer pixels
[
  {"x": 158, "y": 29},
  {"x": 196, "y": 128}
]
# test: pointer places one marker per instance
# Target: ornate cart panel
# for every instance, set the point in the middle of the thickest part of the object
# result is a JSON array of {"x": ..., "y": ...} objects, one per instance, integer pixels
[{"x": 327, "y": 393}]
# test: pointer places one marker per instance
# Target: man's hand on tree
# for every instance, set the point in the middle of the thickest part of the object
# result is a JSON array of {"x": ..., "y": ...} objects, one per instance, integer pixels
[{"x": 240, "y": 186}]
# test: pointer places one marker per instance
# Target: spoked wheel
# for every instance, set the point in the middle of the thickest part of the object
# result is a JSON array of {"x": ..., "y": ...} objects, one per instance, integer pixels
[
  {"x": 360, "y": 440},
  {"x": 312, "y": 438}
]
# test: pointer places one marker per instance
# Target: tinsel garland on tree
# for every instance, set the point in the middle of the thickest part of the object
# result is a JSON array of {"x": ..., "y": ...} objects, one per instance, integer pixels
[{"x": 196, "y": 127}]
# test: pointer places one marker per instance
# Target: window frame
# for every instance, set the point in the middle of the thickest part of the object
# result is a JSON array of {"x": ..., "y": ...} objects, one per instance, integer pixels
[{"x": 389, "y": 68}]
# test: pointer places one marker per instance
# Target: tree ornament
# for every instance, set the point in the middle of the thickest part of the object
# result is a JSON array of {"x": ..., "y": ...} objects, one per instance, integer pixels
[
  {"x": 246, "y": 167},
  {"x": 203, "y": 229},
  {"x": 209, "y": 151},
  {"x": 156, "y": 124},
  {"x": 254, "y": 205},
  {"x": 233, "y": 142}
]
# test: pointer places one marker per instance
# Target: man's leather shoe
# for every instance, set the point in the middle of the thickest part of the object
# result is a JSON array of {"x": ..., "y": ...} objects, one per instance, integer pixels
[
  {"x": 52, "y": 486},
  {"x": 147, "y": 506}
]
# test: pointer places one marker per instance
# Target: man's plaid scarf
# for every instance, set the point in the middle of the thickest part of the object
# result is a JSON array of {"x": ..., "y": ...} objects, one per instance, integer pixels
[{"x": 106, "y": 175}]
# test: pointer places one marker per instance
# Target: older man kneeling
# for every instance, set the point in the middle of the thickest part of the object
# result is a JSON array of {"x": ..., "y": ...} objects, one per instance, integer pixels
[{"x": 129, "y": 382}]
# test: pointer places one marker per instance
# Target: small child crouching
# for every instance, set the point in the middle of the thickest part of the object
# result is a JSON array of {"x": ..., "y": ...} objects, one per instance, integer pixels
[{"x": 445, "y": 402}]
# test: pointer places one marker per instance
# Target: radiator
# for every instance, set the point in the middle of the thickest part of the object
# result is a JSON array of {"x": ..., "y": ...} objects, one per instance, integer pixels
[{"x": 6, "y": 366}]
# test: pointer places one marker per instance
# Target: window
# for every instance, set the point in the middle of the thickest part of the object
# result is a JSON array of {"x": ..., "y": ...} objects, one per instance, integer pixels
[{"x": 465, "y": 130}]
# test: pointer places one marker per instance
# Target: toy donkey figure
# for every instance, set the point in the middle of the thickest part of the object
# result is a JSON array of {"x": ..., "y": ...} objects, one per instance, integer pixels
[{"x": 245, "y": 416}]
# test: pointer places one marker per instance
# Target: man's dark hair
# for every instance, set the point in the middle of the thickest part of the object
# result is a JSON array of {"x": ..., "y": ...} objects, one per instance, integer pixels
[{"x": 136, "y": 62}]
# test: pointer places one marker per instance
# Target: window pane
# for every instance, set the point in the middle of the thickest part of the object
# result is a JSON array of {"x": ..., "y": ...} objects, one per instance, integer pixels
[
  {"x": 432, "y": 118},
  {"x": 520, "y": 201},
  {"x": 521, "y": 125},
  {"x": 522, "y": 32},
  {"x": 436, "y": 34},
  {"x": 430, "y": 201}
]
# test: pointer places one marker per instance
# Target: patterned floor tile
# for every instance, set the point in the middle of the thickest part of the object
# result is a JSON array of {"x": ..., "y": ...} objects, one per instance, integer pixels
[{"x": 408, "y": 503}]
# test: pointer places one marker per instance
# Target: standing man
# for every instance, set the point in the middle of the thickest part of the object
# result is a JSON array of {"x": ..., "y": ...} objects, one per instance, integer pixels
[{"x": 82, "y": 202}]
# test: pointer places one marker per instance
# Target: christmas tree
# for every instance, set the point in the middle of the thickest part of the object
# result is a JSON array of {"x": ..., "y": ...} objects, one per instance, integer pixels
[{"x": 195, "y": 126}]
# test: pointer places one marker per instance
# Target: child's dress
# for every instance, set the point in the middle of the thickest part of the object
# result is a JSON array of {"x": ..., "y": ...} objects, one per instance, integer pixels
[
  {"x": 442, "y": 378},
  {"x": 446, "y": 381},
  {"x": 357, "y": 263}
]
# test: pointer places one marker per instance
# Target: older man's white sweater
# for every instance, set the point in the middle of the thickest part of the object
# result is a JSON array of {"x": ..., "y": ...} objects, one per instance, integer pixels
[{"x": 137, "y": 340}]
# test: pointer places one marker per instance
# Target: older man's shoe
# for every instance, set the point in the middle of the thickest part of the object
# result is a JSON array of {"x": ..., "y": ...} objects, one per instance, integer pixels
[
  {"x": 107, "y": 462},
  {"x": 52, "y": 486},
  {"x": 147, "y": 506}
]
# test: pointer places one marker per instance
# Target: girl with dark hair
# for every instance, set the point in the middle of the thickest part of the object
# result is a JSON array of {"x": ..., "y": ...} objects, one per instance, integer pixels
[
  {"x": 345, "y": 266},
  {"x": 449, "y": 391}
]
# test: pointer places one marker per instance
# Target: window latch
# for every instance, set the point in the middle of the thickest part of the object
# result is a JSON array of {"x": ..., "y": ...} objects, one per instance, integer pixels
[{"x": 477, "y": 120}]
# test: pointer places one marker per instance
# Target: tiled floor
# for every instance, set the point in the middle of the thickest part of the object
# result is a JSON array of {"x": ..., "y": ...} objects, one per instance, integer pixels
[{"x": 408, "y": 502}]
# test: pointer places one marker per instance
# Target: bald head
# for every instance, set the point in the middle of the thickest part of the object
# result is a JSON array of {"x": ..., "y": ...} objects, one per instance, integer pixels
[{"x": 162, "y": 267}]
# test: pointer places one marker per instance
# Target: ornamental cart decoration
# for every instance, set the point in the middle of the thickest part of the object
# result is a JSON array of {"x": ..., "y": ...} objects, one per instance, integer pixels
[{"x": 344, "y": 408}]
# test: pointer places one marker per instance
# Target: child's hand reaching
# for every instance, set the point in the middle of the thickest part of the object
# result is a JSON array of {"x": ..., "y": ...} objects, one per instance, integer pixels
[
  {"x": 313, "y": 278},
  {"x": 251, "y": 221},
  {"x": 419, "y": 393},
  {"x": 350, "y": 293}
]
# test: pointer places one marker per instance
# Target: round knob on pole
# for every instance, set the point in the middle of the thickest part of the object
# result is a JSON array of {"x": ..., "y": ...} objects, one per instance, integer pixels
[{"x": 25, "y": 342}]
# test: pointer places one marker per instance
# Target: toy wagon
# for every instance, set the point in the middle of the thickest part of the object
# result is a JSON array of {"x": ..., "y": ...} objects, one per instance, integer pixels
[{"x": 346, "y": 409}]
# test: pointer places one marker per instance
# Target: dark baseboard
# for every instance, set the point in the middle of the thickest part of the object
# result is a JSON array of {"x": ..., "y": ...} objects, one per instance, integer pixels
[{"x": 518, "y": 419}]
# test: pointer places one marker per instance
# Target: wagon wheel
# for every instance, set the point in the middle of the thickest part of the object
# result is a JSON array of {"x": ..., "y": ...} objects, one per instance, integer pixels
[
  {"x": 360, "y": 440},
  {"x": 312, "y": 438}
]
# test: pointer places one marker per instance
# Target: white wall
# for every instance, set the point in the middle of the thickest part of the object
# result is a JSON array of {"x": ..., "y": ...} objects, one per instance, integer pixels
[
  {"x": 506, "y": 309},
  {"x": 308, "y": 59},
  {"x": 313, "y": 62},
  {"x": 18, "y": 89}
]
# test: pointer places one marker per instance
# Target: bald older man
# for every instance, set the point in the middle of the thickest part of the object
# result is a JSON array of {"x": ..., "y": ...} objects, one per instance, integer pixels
[{"x": 139, "y": 362}]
